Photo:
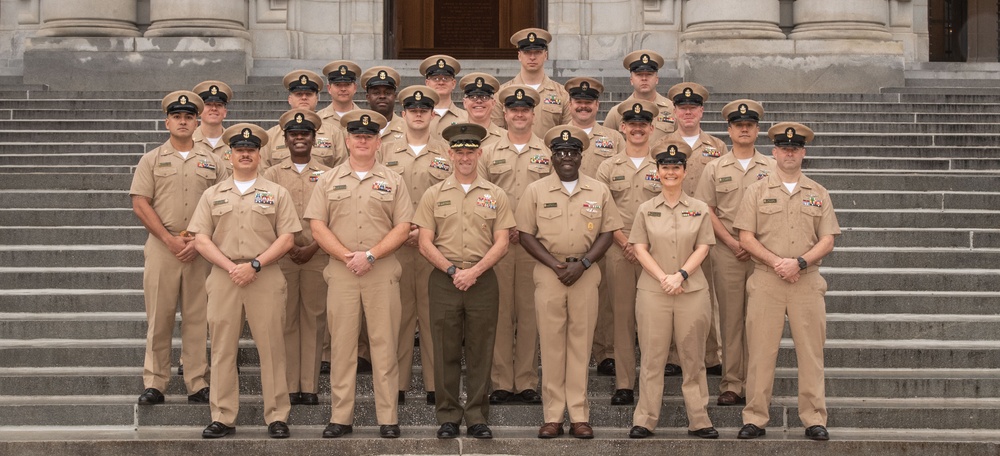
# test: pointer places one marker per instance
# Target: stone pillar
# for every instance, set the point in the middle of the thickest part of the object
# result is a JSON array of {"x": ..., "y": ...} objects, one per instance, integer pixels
[
  {"x": 198, "y": 18},
  {"x": 115, "y": 18},
  {"x": 908, "y": 25},
  {"x": 842, "y": 19},
  {"x": 732, "y": 19},
  {"x": 333, "y": 29}
]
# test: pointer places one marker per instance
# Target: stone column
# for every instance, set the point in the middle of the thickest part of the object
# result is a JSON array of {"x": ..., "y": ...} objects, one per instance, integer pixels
[
  {"x": 77, "y": 18},
  {"x": 732, "y": 19},
  {"x": 843, "y": 19},
  {"x": 187, "y": 18},
  {"x": 333, "y": 29}
]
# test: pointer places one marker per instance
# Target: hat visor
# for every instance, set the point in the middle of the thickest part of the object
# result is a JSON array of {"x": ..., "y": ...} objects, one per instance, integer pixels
[
  {"x": 519, "y": 104},
  {"x": 437, "y": 71},
  {"x": 379, "y": 82},
  {"x": 303, "y": 89},
  {"x": 533, "y": 47},
  {"x": 742, "y": 118},
  {"x": 688, "y": 102},
  {"x": 300, "y": 127},
  {"x": 189, "y": 108},
  {"x": 213, "y": 99},
  {"x": 786, "y": 143},
  {"x": 644, "y": 69},
  {"x": 339, "y": 78},
  {"x": 361, "y": 131},
  {"x": 474, "y": 92},
  {"x": 244, "y": 143}
]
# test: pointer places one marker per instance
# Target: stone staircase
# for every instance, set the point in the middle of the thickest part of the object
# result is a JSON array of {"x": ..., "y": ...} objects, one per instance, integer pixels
[{"x": 913, "y": 354}]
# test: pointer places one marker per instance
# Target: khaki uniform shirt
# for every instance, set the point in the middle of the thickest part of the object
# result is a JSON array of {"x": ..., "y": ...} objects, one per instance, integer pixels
[
  {"x": 300, "y": 187},
  {"x": 787, "y": 224},
  {"x": 503, "y": 165},
  {"x": 360, "y": 212},
  {"x": 706, "y": 149},
  {"x": 672, "y": 235},
  {"x": 419, "y": 172},
  {"x": 630, "y": 185},
  {"x": 464, "y": 223},
  {"x": 452, "y": 116},
  {"x": 567, "y": 223},
  {"x": 493, "y": 135},
  {"x": 329, "y": 148},
  {"x": 663, "y": 124},
  {"x": 244, "y": 226},
  {"x": 552, "y": 109},
  {"x": 175, "y": 184},
  {"x": 604, "y": 144},
  {"x": 221, "y": 149},
  {"x": 395, "y": 131},
  {"x": 724, "y": 181},
  {"x": 328, "y": 114}
]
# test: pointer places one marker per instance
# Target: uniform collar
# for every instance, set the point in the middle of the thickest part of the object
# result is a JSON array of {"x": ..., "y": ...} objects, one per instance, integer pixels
[
  {"x": 287, "y": 164},
  {"x": 450, "y": 182},
  {"x": 535, "y": 143},
  {"x": 659, "y": 199},
  {"x": 377, "y": 170},
  {"x": 554, "y": 184},
  {"x": 730, "y": 159}
]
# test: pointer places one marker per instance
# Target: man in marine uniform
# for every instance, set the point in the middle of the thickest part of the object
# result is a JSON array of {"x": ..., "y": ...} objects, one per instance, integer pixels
[
  {"x": 342, "y": 84},
  {"x": 553, "y": 106},
  {"x": 304, "y": 87},
  {"x": 305, "y": 307},
  {"x": 465, "y": 225},
  {"x": 633, "y": 179},
  {"x": 422, "y": 160},
  {"x": 243, "y": 226},
  {"x": 721, "y": 186},
  {"x": 216, "y": 96},
  {"x": 360, "y": 214},
  {"x": 439, "y": 73},
  {"x": 787, "y": 223},
  {"x": 643, "y": 66},
  {"x": 479, "y": 89},
  {"x": 381, "y": 83},
  {"x": 512, "y": 163},
  {"x": 165, "y": 189},
  {"x": 566, "y": 222}
]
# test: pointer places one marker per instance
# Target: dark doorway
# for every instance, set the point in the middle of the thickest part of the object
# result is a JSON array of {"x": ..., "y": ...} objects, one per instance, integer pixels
[
  {"x": 946, "y": 25},
  {"x": 464, "y": 29}
]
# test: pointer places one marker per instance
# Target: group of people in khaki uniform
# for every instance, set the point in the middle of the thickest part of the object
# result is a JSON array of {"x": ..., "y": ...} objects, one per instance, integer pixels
[{"x": 516, "y": 227}]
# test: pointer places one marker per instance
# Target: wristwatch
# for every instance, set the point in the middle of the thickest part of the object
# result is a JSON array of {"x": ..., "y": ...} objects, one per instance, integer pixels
[
  {"x": 255, "y": 264},
  {"x": 370, "y": 257},
  {"x": 684, "y": 273},
  {"x": 451, "y": 271},
  {"x": 802, "y": 263},
  {"x": 586, "y": 263}
]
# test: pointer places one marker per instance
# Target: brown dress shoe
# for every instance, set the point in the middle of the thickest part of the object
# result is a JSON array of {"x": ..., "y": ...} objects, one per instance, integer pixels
[
  {"x": 581, "y": 430},
  {"x": 731, "y": 398},
  {"x": 550, "y": 430}
]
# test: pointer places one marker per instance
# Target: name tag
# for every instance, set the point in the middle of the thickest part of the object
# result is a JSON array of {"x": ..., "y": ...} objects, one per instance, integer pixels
[
  {"x": 166, "y": 164},
  {"x": 770, "y": 201},
  {"x": 444, "y": 203},
  {"x": 340, "y": 187},
  {"x": 219, "y": 202},
  {"x": 653, "y": 214},
  {"x": 547, "y": 205},
  {"x": 392, "y": 163},
  {"x": 726, "y": 179},
  {"x": 500, "y": 161},
  {"x": 618, "y": 178}
]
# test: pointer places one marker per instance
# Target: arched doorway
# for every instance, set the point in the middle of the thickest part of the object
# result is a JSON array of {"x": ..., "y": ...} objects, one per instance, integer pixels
[
  {"x": 464, "y": 29},
  {"x": 964, "y": 30}
]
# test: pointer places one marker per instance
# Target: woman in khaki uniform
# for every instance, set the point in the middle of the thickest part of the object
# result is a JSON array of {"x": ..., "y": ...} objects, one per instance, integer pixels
[{"x": 672, "y": 233}]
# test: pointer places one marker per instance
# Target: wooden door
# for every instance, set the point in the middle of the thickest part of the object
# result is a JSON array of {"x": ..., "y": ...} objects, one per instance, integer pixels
[{"x": 946, "y": 25}]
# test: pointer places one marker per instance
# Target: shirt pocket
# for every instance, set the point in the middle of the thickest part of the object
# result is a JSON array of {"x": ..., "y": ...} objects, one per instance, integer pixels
[
  {"x": 380, "y": 204},
  {"x": 652, "y": 188},
  {"x": 591, "y": 212},
  {"x": 438, "y": 174},
  {"x": 542, "y": 169},
  {"x": 164, "y": 171},
  {"x": 218, "y": 213},
  {"x": 208, "y": 174},
  {"x": 499, "y": 169},
  {"x": 618, "y": 188},
  {"x": 812, "y": 211},
  {"x": 443, "y": 212},
  {"x": 263, "y": 218},
  {"x": 485, "y": 212}
]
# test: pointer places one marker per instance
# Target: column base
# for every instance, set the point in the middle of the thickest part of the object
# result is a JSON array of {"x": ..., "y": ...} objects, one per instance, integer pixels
[
  {"x": 793, "y": 66},
  {"x": 127, "y": 63}
]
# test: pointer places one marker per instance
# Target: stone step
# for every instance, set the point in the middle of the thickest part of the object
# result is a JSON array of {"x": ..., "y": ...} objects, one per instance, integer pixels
[
  {"x": 116, "y": 277},
  {"x": 51, "y": 148},
  {"x": 66, "y": 198},
  {"x": 79, "y": 180},
  {"x": 917, "y": 257},
  {"x": 77, "y": 235},
  {"x": 71, "y": 300},
  {"x": 139, "y": 124},
  {"x": 932, "y": 238},
  {"x": 874, "y": 199},
  {"x": 68, "y": 217},
  {"x": 80, "y": 256},
  {"x": 926, "y": 279},
  {"x": 67, "y": 168},
  {"x": 916, "y": 218},
  {"x": 123, "y": 161}
]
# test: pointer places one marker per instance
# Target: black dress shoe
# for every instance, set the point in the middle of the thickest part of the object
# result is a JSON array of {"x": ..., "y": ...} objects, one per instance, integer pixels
[
  {"x": 180, "y": 369},
  {"x": 401, "y": 398},
  {"x": 606, "y": 367},
  {"x": 671, "y": 370},
  {"x": 364, "y": 366},
  {"x": 324, "y": 367},
  {"x": 200, "y": 397},
  {"x": 751, "y": 431},
  {"x": 530, "y": 396},
  {"x": 623, "y": 397},
  {"x": 389, "y": 431},
  {"x": 217, "y": 430},
  {"x": 334, "y": 430},
  {"x": 639, "y": 432},
  {"x": 431, "y": 398},
  {"x": 278, "y": 430},
  {"x": 151, "y": 396},
  {"x": 480, "y": 431},
  {"x": 308, "y": 399},
  {"x": 500, "y": 397},
  {"x": 715, "y": 370},
  {"x": 448, "y": 431},
  {"x": 705, "y": 433},
  {"x": 817, "y": 432},
  {"x": 731, "y": 398},
  {"x": 295, "y": 398}
]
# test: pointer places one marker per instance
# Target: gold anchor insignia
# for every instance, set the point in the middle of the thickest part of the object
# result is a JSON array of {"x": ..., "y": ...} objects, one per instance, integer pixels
[
  {"x": 519, "y": 94},
  {"x": 303, "y": 79},
  {"x": 298, "y": 118},
  {"x": 790, "y": 132},
  {"x": 565, "y": 135},
  {"x": 673, "y": 150},
  {"x": 246, "y": 133},
  {"x": 440, "y": 63},
  {"x": 364, "y": 119},
  {"x": 743, "y": 109},
  {"x": 585, "y": 85},
  {"x": 645, "y": 58},
  {"x": 418, "y": 95},
  {"x": 343, "y": 69},
  {"x": 381, "y": 74},
  {"x": 637, "y": 108},
  {"x": 479, "y": 82},
  {"x": 183, "y": 100},
  {"x": 531, "y": 37},
  {"x": 687, "y": 92},
  {"x": 214, "y": 90}
]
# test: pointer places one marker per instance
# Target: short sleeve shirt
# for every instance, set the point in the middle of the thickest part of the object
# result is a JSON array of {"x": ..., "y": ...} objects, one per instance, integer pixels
[
  {"x": 464, "y": 223},
  {"x": 503, "y": 165},
  {"x": 421, "y": 171},
  {"x": 300, "y": 187},
  {"x": 395, "y": 131},
  {"x": 672, "y": 235},
  {"x": 604, "y": 144},
  {"x": 329, "y": 148},
  {"x": 706, "y": 149},
  {"x": 630, "y": 185},
  {"x": 452, "y": 116},
  {"x": 724, "y": 181},
  {"x": 564, "y": 223},
  {"x": 244, "y": 225},
  {"x": 221, "y": 149},
  {"x": 787, "y": 224},
  {"x": 175, "y": 184},
  {"x": 328, "y": 114},
  {"x": 360, "y": 212}
]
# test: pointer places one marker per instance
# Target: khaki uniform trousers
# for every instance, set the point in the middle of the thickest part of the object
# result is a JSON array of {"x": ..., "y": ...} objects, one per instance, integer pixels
[
  {"x": 622, "y": 277},
  {"x": 684, "y": 319},
  {"x": 515, "y": 355},
  {"x": 458, "y": 316},
  {"x": 262, "y": 304},
  {"x": 305, "y": 321},
  {"x": 167, "y": 282},
  {"x": 713, "y": 343},
  {"x": 415, "y": 310},
  {"x": 770, "y": 300},
  {"x": 375, "y": 296},
  {"x": 604, "y": 346},
  {"x": 730, "y": 279},
  {"x": 566, "y": 320}
]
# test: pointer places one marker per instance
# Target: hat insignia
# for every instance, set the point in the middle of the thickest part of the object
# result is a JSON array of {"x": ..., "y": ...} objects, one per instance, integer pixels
[
  {"x": 214, "y": 90},
  {"x": 790, "y": 132},
  {"x": 418, "y": 95},
  {"x": 463, "y": 128},
  {"x": 585, "y": 85},
  {"x": 565, "y": 135},
  {"x": 645, "y": 58},
  {"x": 531, "y": 37},
  {"x": 687, "y": 92},
  {"x": 343, "y": 69},
  {"x": 519, "y": 94},
  {"x": 743, "y": 109},
  {"x": 479, "y": 82},
  {"x": 382, "y": 74},
  {"x": 637, "y": 108},
  {"x": 299, "y": 118},
  {"x": 183, "y": 99},
  {"x": 246, "y": 133},
  {"x": 303, "y": 79},
  {"x": 365, "y": 119},
  {"x": 672, "y": 150},
  {"x": 440, "y": 63}
]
